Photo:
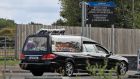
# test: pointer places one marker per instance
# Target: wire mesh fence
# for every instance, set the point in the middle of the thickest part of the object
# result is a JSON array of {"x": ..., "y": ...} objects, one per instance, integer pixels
[{"x": 7, "y": 47}]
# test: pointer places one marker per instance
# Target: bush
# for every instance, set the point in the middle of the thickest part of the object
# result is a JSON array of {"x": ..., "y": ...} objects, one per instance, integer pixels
[{"x": 94, "y": 69}]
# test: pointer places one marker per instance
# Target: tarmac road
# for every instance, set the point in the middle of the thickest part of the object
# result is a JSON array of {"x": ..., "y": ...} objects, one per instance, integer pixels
[
  {"x": 58, "y": 76},
  {"x": 21, "y": 74},
  {"x": 45, "y": 76}
]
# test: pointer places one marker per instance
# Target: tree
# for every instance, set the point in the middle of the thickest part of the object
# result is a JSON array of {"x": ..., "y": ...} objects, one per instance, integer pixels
[
  {"x": 126, "y": 17},
  {"x": 71, "y": 11},
  {"x": 33, "y": 23},
  {"x": 4, "y": 23},
  {"x": 59, "y": 22},
  {"x": 7, "y": 32},
  {"x": 137, "y": 14}
]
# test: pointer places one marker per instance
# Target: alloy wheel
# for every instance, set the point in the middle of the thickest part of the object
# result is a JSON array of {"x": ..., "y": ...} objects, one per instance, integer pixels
[
  {"x": 69, "y": 69},
  {"x": 122, "y": 68}
]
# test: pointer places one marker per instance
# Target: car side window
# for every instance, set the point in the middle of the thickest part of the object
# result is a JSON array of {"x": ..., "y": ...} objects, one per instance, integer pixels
[
  {"x": 89, "y": 48},
  {"x": 101, "y": 50},
  {"x": 66, "y": 47}
]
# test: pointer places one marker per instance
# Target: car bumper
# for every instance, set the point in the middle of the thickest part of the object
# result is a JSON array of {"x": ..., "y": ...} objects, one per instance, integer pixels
[{"x": 46, "y": 67}]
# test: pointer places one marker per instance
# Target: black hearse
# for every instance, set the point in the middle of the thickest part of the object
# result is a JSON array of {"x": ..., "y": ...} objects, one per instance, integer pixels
[{"x": 52, "y": 51}]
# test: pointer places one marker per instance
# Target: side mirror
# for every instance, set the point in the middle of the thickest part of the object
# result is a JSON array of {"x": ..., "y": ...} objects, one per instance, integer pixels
[{"x": 111, "y": 53}]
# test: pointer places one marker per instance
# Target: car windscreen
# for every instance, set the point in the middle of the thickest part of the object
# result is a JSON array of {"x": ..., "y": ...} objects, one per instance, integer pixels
[{"x": 35, "y": 44}]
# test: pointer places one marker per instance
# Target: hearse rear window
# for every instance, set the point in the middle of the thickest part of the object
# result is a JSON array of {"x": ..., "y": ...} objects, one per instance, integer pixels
[
  {"x": 36, "y": 44},
  {"x": 66, "y": 47}
]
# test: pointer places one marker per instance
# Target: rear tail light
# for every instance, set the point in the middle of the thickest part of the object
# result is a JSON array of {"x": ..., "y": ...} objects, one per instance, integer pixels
[
  {"x": 48, "y": 57},
  {"x": 22, "y": 56}
]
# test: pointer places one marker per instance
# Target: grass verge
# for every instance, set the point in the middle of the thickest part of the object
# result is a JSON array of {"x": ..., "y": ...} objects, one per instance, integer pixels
[{"x": 9, "y": 62}]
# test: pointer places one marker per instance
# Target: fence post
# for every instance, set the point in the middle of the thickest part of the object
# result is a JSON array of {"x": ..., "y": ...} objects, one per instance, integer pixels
[
  {"x": 15, "y": 46},
  {"x": 5, "y": 58},
  {"x": 113, "y": 38},
  {"x": 138, "y": 62}
]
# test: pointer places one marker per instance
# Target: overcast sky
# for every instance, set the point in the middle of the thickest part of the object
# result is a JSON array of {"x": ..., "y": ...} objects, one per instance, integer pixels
[{"x": 25, "y": 11}]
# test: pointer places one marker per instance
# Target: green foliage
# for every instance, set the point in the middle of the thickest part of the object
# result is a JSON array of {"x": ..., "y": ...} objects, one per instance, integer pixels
[
  {"x": 7, "y": 32},
  {"x": 9, "y": 62},
  {"x": 33, "y": 23},
  {"x": 137, "y": 14},
  {"x": 6, "y": 23},
  {"x": 101, "y": 70},
  {"x": 59, "y": 22},
  {"x": 137, "y": 19},
  {"x": 71, "y": 12},
  {"x": 125, "y": 15},
  {"x": 7, "y": 27}
]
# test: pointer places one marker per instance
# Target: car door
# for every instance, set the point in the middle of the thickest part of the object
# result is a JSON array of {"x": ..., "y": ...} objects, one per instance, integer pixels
[
  {"x": 102, "y": 55},
  {"x": 91, "y": 52},
  {"x": 71, "y": 51}
]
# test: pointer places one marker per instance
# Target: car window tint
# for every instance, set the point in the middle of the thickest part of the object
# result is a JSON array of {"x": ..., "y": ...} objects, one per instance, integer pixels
[
  {"x": 36, "y": 44},
  {"x": 89, "y": 48}
]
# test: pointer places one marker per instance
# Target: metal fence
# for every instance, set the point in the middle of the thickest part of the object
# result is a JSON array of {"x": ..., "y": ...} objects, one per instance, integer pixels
[
  {"x": 7, "y": 45},
  {"x": 127, "y": 41}
]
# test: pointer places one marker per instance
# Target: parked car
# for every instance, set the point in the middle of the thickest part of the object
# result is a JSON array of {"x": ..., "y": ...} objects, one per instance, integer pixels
[{"x": 45, "y": 52}]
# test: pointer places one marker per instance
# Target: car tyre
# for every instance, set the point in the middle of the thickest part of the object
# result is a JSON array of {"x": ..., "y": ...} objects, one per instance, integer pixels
[
  {"x": 68, "y": 69},
  {"x": 37, "y": 73},
  {"x": 122, "y": 68}
]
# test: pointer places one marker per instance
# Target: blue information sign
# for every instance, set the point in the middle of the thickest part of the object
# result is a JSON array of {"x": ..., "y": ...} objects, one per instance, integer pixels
[
  {"x": 100, "y": 12},
  {"x": 105, "y": 4}
]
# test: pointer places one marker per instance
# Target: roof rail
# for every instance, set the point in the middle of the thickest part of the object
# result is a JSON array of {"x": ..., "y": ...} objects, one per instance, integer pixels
[{"x": 51, "y": 31}]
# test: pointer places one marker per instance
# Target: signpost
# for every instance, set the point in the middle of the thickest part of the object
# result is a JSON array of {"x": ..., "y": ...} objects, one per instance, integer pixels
[
  {"x": 100, "y": 12},
  {"x": 83, "y": 18}
]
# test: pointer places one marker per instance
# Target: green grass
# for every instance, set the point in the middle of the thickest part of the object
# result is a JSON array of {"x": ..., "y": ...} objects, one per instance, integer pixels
[
  {"x": 7, "y": 58},
  {"x": 9, "y": 62}
]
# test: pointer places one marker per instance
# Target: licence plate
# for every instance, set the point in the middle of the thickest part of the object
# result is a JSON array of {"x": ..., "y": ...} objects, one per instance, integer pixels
[{"x": 33, "y": 58}]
